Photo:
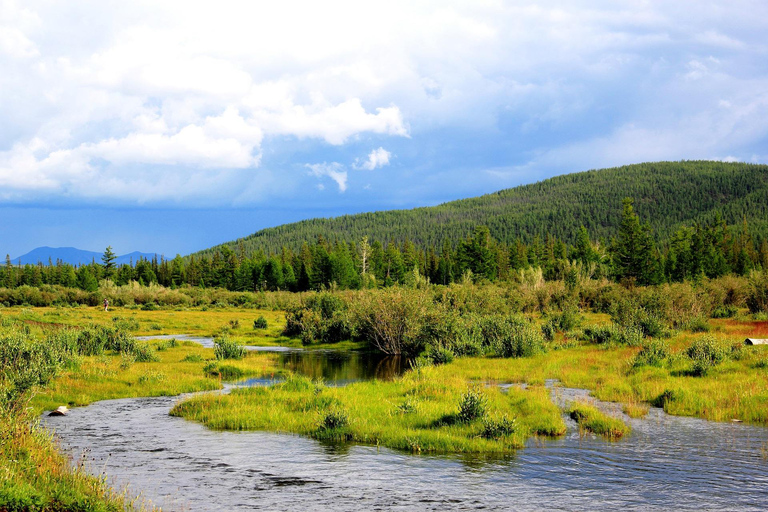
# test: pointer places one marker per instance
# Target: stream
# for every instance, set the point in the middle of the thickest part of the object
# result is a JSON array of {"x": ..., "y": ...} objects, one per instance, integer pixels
[{"x": 667, "y": 462}]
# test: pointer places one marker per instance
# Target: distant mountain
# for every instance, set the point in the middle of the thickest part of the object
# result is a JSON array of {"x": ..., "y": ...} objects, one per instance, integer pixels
[
  {"x": 73, "y": 256},
  {"x": 667, "y": 195}
]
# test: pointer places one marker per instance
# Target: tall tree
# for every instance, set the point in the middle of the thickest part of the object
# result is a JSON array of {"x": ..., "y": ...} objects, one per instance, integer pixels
[
  {"x": 108, "y": 261},
  {"x": 634, "y": 254}
]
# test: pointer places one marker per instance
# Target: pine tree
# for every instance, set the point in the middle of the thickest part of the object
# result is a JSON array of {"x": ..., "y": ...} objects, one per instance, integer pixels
[{"x": 108, "y": 261}]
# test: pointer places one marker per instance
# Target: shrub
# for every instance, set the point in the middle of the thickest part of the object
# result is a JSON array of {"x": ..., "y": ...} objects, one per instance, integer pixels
[
  {"x": 495, "y": 429},
  {"x": 728, "y": 311},
  {"x": 522, "y": 341},
  {"x": 334, "y": 419},
  {"x": 757, "y": 296},
  {"x": 260, "y": 323},
  {"x": 472, "y": 406},
  {"x": 706, "y": 352},
  {"x": 226, "y": 348},
  {"x": 601, "y": 334},
  {"x": 437, "y": 355},
  {"x": 653, "y": 353},
  {"x": 192, "y": 358},
  {"x": 392, "y": 319},
  {"x": 698, "y": 324}
]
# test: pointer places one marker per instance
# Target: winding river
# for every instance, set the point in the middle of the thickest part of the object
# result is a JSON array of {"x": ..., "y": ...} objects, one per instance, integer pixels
[{"x": 666, "y": 463}]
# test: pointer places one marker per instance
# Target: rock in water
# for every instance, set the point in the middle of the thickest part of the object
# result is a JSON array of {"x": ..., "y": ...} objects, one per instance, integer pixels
[{"x": 61, "y": 411}]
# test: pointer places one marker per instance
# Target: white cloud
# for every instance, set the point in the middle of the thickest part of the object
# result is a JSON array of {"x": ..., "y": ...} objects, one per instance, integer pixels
[
  {"x": 334, "y": 170},
  {"x": 376, "y": 158},
  {"x": 160, "y": 94}
]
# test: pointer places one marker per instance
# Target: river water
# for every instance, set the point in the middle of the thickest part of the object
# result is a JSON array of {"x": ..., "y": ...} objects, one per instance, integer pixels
[{"x": 666, "y": 463}]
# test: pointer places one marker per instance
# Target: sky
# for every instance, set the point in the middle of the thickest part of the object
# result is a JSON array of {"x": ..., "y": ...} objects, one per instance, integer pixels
[{"x": 171, "y": 126}]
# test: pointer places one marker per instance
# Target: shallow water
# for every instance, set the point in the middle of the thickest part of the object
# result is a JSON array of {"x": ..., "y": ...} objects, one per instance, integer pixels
[{"x": 666, "y": 463}]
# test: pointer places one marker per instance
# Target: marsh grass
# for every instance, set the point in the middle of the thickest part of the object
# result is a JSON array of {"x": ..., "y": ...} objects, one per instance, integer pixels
[
  {"x": 635, "y": 409},
  {"x": 178, "y": 370},
  {"x": 592, "y": 419},
  {"x": 377, "y": 412}
]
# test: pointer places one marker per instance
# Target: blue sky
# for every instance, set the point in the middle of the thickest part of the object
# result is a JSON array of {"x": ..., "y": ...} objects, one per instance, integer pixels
[{"x": 172, "y": 126}]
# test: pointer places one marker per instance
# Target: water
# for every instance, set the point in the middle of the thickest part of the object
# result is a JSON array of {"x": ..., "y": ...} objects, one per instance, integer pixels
[
  {"x": 334, "y": 367},
  {"x": 666, "y": 463}
]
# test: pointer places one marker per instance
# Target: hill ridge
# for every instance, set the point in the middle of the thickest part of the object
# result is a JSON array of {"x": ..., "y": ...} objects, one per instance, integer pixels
[{"x": 667, "y": 195}]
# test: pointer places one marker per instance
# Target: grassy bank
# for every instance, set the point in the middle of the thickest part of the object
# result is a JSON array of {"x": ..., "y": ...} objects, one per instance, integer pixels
[
  {"x": 422, "y": 411},
  {"x": 184, "y": 368},
  {"x": 36, "y": 476},
  {"x": 42, "y": 367}
]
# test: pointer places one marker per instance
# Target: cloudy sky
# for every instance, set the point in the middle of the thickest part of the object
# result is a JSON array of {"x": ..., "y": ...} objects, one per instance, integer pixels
[{"x": 170, "y": 126}]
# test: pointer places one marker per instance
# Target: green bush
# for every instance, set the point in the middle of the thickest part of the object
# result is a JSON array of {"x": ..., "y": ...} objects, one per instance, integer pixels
[
  {"x": 757, "y": 296},
  {"x": 653, "y": 353},
  {"x": 437, "y": 355},
  {"x": 522, "y": 341},
  {"x": 496, "y": 429},
  {"x": 260, "y": 323},
  {"x": 706, "y": 353},
  {"x": 728, "y": 311},
  {"x": 227, "y": 348},
  {"x": 472, "y": 406}
]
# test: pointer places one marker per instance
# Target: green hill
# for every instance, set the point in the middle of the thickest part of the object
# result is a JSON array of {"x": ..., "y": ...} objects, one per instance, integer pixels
[{"x": 666, "y": 194}]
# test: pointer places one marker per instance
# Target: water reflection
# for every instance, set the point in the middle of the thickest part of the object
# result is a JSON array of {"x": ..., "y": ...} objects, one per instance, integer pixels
[{"x": 342, "y": 367}]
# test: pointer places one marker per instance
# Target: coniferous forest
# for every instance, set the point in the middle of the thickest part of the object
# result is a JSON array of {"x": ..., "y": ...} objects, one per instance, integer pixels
[{"x": 644, "y": 224}]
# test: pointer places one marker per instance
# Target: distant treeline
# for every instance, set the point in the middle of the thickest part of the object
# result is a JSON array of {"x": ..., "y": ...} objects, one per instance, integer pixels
[{"x": 632, "y": 256}]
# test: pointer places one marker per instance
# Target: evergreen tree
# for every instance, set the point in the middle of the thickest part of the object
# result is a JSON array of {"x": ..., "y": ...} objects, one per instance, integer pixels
[
  {"x": 108, "y": 261},
  {"x": 634, "y": 255}
]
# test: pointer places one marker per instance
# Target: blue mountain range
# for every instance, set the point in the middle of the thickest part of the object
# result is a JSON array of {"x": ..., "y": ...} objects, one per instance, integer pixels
[{"x": 74, "y": 256}]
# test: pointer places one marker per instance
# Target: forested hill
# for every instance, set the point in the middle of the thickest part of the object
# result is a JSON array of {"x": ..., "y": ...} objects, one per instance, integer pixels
[{"x": 666, "y": 194}]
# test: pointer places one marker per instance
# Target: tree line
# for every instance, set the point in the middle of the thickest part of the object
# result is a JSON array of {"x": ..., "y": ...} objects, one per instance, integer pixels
[{"x": 634, "y": 255}]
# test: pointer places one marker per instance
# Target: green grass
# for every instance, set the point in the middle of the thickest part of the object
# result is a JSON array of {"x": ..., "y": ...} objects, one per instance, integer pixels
[
  {"x": 418, "y": 412},
  {"x": 592, "y": 419},
  {"x": 179, "y": 370}
]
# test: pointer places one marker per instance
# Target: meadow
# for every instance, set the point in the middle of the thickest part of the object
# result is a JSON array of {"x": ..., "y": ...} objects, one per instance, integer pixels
[{"x": 677, "y": 347}]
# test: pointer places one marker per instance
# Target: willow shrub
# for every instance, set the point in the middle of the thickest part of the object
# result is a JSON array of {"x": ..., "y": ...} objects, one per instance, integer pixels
[{"x": 757, "y": 296}]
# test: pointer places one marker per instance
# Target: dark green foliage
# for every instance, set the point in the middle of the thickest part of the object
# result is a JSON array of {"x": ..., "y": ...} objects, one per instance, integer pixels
[
  {"x": 260, "y": 323},
  {"x": 522, "y": 340},
  {"x": 498, "y": 428},
  {"x": 472, "y": 405},
  {"x": 192, "y": 358},
  {"x": 334, "y": 419},
  {"x": 653, "y": 353},
  {"x": 437, "y": 355},
  {"x": 226, "y": 348},
  {"x": 705, "y": 353},
  {"x": 322, "y": 317},
  {"x": 26, "y": 363},
  {"x": 666, "y": 194},
  {"x": 757, "y": 297},
  {"x": 698, "y": 324},
  {"x": 728, "y": 311}
]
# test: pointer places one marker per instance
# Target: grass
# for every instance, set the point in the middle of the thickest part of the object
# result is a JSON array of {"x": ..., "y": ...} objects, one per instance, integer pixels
[
  {"x": 419, "y": 412},
  {"x": 179, "y": 370},
  {"x": 590, "y": 418}
]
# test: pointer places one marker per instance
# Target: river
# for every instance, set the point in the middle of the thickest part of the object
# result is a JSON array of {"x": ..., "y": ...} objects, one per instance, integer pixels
[{"x": 666, "y": 463}]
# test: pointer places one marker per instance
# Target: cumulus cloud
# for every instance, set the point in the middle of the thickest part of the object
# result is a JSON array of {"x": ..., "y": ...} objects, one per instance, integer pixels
[
  {"x": 173, "y": 95},
  {"x": 376, "y": 158},
  {"x": 334, "y": 170}
]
